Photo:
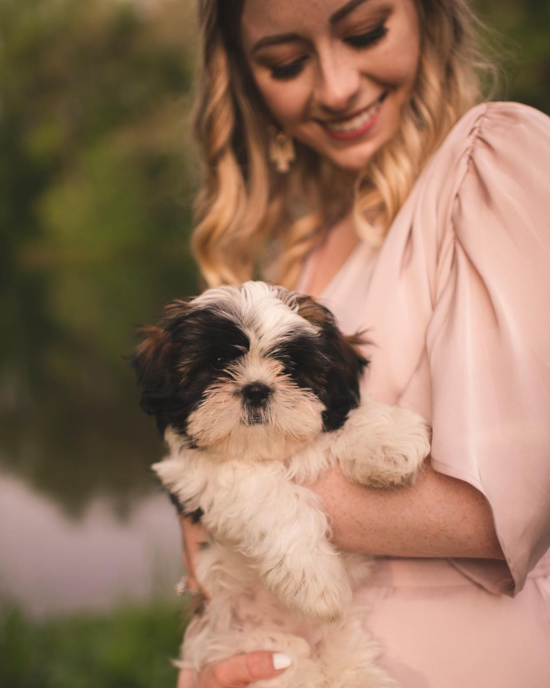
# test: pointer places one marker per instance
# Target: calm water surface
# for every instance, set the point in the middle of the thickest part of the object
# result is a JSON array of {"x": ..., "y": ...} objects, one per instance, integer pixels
[{"x": 82, "y": 523}]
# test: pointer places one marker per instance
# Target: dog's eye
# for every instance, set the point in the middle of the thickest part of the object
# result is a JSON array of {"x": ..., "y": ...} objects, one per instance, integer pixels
[
  {"x": 289, "y": 365},
  {"x": 220, "y": 361}
]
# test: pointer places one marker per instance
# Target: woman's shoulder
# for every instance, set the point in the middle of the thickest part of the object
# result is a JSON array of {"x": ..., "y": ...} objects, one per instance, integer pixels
[
  {"x": 499, "y": 114},
  {"x": 496, "y": 151},
  {"x": 502, "y": 127},
  {"x": 484, "y": 187}
]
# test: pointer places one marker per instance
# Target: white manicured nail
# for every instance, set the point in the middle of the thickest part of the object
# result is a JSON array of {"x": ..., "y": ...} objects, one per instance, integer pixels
[{"x": 281, "y": 661}]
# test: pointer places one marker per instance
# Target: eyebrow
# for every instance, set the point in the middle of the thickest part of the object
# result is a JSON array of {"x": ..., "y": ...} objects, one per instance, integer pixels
[
  {"x": 345, "y": 10},
  {"x": 275, "y": 40},
  {"x": 292, "y": 37}
]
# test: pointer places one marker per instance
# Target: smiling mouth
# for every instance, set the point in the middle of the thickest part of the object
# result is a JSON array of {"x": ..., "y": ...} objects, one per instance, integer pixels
[{"x": 356, "y": 124}]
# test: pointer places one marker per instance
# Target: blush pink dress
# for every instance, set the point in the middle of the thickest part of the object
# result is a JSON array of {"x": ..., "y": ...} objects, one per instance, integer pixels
[{"x": 457, "y": 302}]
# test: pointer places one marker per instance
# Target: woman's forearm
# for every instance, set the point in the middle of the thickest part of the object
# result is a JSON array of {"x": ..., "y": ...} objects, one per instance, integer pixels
[{"x": 438, "y": 517}]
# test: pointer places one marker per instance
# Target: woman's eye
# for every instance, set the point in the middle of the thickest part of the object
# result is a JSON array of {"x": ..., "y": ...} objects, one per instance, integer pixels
[
  {"x": 290, "y": 70},
  {"x": 366, "y": 40}
]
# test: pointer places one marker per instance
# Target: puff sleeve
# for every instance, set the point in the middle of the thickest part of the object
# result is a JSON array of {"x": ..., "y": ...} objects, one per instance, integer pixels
[{"x": 488, "y": 342}]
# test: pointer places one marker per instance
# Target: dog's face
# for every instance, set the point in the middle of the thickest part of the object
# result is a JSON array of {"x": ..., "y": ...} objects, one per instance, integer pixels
[{"x": 253, "y": 369}]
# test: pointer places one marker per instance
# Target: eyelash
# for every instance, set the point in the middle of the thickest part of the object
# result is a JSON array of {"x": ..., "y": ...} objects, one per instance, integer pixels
[
  {"x": 366, "y": 40},
  {"x": 359, "y": 42},
  {"x": 288, "y": 71}
]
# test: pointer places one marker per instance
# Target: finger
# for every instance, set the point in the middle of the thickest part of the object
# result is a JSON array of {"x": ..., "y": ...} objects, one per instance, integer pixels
[
  {"x": 244, "y": 669},
  {"x": 187, "y": 679}
]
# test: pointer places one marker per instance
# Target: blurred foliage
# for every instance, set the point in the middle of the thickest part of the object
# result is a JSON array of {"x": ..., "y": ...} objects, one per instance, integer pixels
[
  {"x": 92, "y": 111},
  {"x": 70, "y": 421},
  {"x": 96, "y": 178},
  {"x": 519, "y": 39},
  {"x": 128, "y": 648},
  {"x": 95, "y": 187}
]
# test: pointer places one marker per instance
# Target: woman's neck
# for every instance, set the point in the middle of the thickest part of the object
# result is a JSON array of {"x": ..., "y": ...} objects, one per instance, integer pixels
[{"x": 331, "y": 255}]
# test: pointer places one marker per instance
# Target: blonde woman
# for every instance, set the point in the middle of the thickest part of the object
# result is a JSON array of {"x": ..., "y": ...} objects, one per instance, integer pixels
[{"x": 346, "y": 155}]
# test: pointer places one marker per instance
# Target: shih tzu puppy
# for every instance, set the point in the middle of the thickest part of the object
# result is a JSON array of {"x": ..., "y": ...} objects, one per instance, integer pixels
[{"x": 256, "y": 392}]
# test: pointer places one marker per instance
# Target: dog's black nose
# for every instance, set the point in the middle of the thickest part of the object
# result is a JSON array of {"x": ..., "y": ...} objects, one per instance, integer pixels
[{"x": 256, "y": 393}]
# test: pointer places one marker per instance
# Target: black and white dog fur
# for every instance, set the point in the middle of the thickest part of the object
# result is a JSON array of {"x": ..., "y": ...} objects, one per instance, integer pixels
[{"x": 256, "y": 392}]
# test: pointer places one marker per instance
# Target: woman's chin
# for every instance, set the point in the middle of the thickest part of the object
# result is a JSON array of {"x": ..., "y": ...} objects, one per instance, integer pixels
[
  {"x": 354, "y": 156},
  {"x": 350, "y": 160}
]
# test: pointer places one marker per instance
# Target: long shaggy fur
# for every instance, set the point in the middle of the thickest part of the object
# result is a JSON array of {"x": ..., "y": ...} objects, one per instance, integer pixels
[{"x": 257, "y": 393}]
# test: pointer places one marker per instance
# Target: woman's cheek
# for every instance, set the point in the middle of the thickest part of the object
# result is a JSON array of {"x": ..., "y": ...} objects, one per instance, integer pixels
[
  {"x": 396, "y": 63},
  {"x": 394, "y": 68},
  {"x": 286, "y": 100}
]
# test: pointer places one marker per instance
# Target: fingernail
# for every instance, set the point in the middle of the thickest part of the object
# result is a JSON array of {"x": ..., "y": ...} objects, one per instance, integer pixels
[{"x": 281, "y": 661}]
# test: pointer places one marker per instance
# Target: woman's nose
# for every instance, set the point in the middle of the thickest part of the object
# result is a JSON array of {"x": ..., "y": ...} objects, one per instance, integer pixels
[{"x": 338, "y": 83}]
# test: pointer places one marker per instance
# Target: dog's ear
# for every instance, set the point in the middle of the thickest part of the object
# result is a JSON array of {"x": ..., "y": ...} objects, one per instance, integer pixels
[
  {"x": 346, "y": 363},
  {"x": 151, "y": 361},
  {"x": 154, "y": 361},
  {"x": 343, "y": 379}
]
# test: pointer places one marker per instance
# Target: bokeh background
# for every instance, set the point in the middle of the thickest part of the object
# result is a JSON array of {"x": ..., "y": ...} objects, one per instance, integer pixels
[{"x": 97, "y": 176}]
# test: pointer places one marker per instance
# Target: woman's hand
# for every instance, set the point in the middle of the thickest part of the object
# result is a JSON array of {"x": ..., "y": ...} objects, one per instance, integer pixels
[{"x": 236, "y": 672}]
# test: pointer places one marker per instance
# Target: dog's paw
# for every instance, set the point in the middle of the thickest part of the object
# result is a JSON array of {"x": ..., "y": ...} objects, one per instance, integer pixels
[
  {"x": 330, "y": 605},
  {"x": 398, "y": 443},
  {"x": 315, "y": 586},
  {"x": 405, "y": 448}
]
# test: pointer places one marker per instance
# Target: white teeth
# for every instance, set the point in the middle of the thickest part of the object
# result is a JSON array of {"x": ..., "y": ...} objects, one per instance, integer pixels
[{"x": 356, "y": 122}]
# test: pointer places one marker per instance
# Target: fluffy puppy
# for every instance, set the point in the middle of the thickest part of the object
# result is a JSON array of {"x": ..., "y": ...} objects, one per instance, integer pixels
[{"x": 256, "y": 392}]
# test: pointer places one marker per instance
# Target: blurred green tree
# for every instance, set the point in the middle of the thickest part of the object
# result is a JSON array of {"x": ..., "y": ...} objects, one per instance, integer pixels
[
  {"x": 93, "y": 98},
  {"x": 94, "y": 225},
  {"x": 518, "y": 34}
]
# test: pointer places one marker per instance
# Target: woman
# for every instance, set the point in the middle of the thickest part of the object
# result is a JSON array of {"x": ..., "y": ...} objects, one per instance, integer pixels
[{"x": 344, "y": 156}]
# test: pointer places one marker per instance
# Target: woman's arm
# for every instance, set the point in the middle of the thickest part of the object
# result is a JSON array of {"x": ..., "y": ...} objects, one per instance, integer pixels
[{"x": 437, "y": 517}]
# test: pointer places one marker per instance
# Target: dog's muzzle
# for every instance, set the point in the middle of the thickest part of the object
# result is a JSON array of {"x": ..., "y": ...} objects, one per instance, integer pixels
[
  {"x": 256, "y": 395},
  {"x": 255, "y": 400}
]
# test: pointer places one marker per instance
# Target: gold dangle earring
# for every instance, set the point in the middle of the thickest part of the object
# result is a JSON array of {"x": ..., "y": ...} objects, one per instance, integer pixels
[{"x": 281, "y": 149}]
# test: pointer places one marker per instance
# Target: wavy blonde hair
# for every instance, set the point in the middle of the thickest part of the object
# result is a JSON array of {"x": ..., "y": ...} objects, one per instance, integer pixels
[{"x": 248, "y": 215}]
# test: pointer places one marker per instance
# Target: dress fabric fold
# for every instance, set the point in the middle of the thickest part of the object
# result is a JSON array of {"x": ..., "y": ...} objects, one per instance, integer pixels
[{"x": 457, "y": 304}]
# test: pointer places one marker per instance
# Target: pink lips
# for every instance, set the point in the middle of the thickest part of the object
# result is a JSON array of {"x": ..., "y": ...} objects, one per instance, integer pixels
[{"x": 354, "y": 133}]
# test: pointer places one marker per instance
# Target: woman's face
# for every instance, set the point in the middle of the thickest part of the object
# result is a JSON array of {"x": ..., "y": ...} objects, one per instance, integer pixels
[{"x": 335, "y": 74}]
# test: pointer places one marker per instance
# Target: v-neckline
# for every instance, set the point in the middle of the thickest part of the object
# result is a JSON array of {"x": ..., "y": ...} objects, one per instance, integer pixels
[{"x": 309, "y": 268}]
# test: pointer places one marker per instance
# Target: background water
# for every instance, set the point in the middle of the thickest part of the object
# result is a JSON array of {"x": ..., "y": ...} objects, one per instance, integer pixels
[
  {"x": 82, "y": 522},
  {"x": 96, "y": 177}
]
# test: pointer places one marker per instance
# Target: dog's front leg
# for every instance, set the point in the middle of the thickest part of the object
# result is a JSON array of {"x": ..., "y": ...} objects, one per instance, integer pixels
[
  {"x": 382, "y": 446},
  {"x": 282, "y": 529}
]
